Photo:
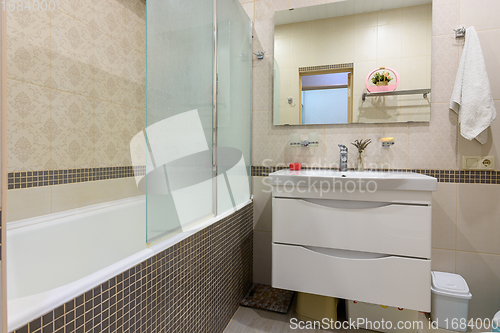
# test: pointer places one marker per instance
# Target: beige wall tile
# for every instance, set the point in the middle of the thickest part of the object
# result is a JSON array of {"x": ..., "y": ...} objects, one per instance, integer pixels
[
  {"x": 479, "y": 14},
  {"x": 321, "y": 26},
  {"x": 491, "y": 53},
  {"x": 477, "y": 218},
  {"x": 26, "y": 203},
  {"x": 365, "y": 44},
  {"x": 444, "y": 216},
  {"x": 111, "y": 61},
  {"x": 482, "y": 273},
  {"x": 111, "y": 147},
  {"x": 270, "y": 142},
  {"x": 414, "y": 13},
  {"x": 394, "y": 157},
  {"x": 111, "y": 18},
  {"x": 321, "y": 48},
  {"x": 389, "y": 41},
  {"x": 343, "y": 23},
  {"x": 262, "y": 201},
  {"x": 443, "y": 260},
  {"x": 311, "y": 156},
  {"x": 29, "y": 124},
  {"x": 28, "y": 46},
  {"x": 445, "y": 16},
  {"x": 365, "y": 20},
  {"x": 72, "y": 131},
  {"x": 433, "y": 145},
  {"x": 134, "y": 80},
  {"x": 82, "y": 10},
  {"x": 249, "y": 8},
  {"x": 262, "y": 257},
  {"x": 135, "y": 18},
  {"x": 390, "y": 16},
  {"x": 414, "y": 41},
  {"x": 72, "y": 55},
  {"x": 262, "y": 93},
  {"x": 71, "y": 196},
  {"x": 445, "y": 61},
  {"x": 342, "y": 134},
  {"x": 343, "y": 46},
  {"x": 115, "y": 189}
]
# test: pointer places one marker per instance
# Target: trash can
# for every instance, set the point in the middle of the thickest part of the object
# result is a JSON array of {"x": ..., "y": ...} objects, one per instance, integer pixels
[
  {"x": 449, "y": 301},
  {"x": 312, "y": 307},
  {"x": 496, "y": 322}
]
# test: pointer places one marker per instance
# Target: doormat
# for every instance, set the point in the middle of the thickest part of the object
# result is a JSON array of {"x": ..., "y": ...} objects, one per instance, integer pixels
[{"x": 268, "y": 298}]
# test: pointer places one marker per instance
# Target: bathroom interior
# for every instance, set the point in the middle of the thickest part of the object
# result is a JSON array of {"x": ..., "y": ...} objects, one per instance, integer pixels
[{"x": 160, "y": 163}]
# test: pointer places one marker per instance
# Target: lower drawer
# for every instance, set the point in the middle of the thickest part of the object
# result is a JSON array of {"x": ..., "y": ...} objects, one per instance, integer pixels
[{"x": 367, "y": 277}]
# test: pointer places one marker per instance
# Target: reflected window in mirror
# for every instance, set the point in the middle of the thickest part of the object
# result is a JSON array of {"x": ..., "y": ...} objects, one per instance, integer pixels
[{"x": 326, "y": 97}]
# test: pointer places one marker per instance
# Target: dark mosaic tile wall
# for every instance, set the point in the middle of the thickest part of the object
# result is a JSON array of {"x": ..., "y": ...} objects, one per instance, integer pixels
[
  {"x": 27, "y": 179},
  {"x": 443, "y": 176},
  {"x": 194, "y": 286}
]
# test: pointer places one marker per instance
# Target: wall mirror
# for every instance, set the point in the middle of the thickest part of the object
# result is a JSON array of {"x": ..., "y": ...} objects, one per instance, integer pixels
[{"x": 353, "y": 61}]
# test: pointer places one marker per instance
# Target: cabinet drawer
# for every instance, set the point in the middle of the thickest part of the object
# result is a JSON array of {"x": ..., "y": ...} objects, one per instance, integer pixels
[
  {"x": 354, "y": 225},
  {"x": 386, "y": 280}
]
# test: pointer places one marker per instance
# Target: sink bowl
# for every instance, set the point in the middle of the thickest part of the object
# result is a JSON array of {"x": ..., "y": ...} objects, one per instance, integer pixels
[{"x": 408, "y": 181}]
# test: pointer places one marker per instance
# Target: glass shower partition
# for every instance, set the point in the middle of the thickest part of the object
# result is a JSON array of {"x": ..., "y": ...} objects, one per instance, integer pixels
[
  {"x": 234, "y": 105},
  {"x": 196, "y": 145}
]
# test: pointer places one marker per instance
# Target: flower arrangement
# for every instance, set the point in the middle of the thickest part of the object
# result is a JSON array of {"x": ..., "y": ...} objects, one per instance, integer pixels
[
  {"x": 381, "y": 78},
  {"x": 361, "y": 145}
]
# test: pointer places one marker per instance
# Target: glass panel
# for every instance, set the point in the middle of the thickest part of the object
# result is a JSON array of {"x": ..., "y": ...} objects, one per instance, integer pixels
[
  {"x": 234, "y": 105},
  {"x": 178, "y": 179}
]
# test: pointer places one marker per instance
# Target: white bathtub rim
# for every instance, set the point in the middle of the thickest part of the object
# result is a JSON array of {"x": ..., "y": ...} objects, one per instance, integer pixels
[
  {"x": 70, "y": 213},
  {"x": 21, "y": 311}
]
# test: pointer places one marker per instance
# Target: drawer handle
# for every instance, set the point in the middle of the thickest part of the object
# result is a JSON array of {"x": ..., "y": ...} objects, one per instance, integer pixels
[
  {"x": 346, "y": 254},
  {"x": 347, "y": 204}
]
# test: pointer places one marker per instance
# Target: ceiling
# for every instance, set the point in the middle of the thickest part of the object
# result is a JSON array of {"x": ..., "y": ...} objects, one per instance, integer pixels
[{"x": 340, "y": 8}]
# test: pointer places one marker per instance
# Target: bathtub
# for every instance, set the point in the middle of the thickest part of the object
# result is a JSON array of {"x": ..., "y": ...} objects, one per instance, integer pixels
[{"x": 54, "y": 258}]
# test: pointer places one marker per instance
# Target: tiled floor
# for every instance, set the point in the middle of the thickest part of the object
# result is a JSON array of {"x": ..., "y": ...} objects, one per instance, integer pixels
[{"x": 249, "y": 320}]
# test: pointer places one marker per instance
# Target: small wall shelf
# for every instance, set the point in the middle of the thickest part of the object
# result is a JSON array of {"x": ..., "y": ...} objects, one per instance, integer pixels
[{"x": 424, "y": 92}]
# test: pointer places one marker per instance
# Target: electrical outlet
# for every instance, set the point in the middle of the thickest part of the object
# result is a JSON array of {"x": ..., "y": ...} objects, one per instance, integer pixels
[{"x": 478, "y": 162}]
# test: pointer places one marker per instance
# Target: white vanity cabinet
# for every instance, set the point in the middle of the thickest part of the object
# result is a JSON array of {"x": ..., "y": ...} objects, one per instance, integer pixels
[{"x": 354, "y": 242}]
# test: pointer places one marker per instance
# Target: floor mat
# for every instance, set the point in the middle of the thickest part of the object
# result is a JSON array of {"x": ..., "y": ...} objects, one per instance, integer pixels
[{"x": 268, "y": 298}]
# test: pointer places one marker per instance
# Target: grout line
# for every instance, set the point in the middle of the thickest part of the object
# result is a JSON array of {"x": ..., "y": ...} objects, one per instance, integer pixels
[{"x": 72, "y": 93}]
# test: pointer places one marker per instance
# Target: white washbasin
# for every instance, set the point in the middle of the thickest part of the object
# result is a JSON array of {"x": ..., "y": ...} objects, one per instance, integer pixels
[{"x": 408, "y": 181}]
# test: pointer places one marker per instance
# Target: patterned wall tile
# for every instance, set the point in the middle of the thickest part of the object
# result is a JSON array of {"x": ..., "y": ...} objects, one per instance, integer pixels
[
  {"x": 269, "y": 143},
  {"x": 310, "y": 156},
  {"x": 82, "y": 10},
  {"x": 110, "y": 18},
  {"x": 262, "y": 94},
  {"x": 29, "y": 123},
  {"x": 445, "y": 60},
  {"x": 28, "y": 46},
  {"x": 110, "y": 59},
  {"x": 72, "y": 53},
  {"x": 393, "y": 157},
  {"x": 110, "y": 121},
  {"x": 136, "y": 87},
  {"x": 72, "y": 131},
  {"x": 136, "y": 29},
  {"x": 445, "y": 16},
  {"x": 434, "y": 145},
  {"x": 342, "y": 134}
]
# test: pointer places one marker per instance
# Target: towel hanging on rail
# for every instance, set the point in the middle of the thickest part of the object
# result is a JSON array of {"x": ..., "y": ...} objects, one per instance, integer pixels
[{"x": 471, "y": 98}]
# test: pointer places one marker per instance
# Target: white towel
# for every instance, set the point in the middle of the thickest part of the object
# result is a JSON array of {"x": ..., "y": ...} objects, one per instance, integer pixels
[{"x": 471, "y": 98}]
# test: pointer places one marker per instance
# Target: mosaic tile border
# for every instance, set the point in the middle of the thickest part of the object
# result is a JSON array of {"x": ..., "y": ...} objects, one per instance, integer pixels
[
  {"x": 194, "y": 286},
  {"x": 325, "y": 67},
  {"x": 28, "y": 179},
  {"x": 443, "y": 176}
]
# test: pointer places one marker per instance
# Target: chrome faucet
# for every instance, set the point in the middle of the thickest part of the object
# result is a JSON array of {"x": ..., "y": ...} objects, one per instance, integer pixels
[{"x": 343, "y": 157}]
